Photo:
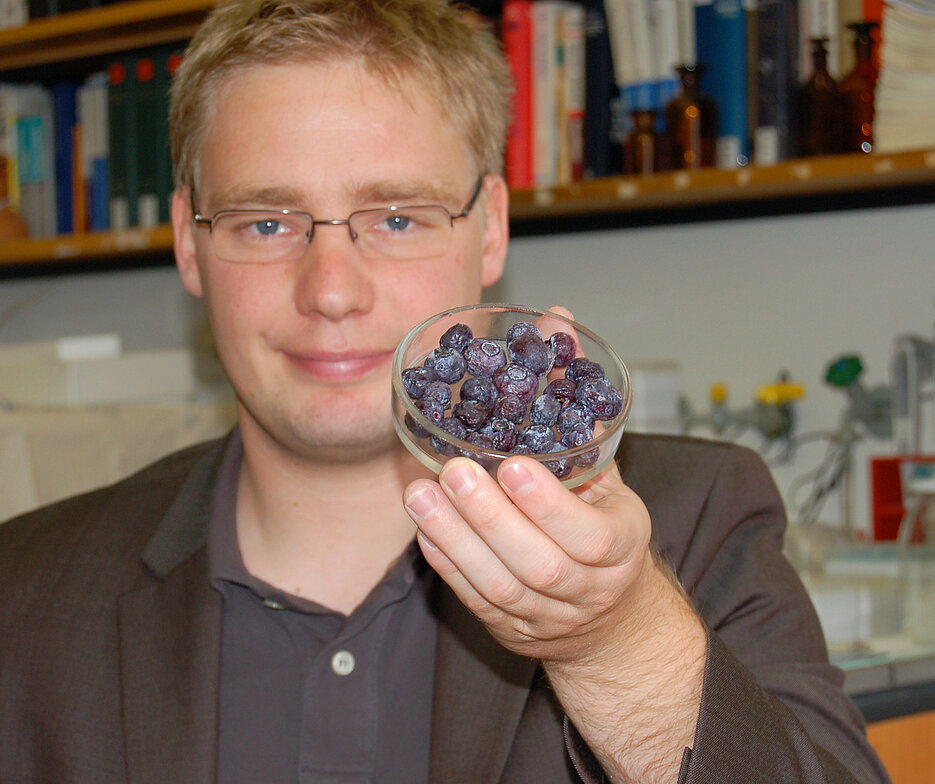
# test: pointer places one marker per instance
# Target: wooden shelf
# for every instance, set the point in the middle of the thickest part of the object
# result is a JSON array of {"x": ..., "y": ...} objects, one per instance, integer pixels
[
  {"x": 99, "y": 31},
  {"x": 614, "y": 196},
  {"x": 795, "y": 178}
]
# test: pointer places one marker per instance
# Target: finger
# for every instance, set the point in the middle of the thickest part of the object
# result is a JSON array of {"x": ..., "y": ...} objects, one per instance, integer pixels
[{"x": 606, "y": 531}]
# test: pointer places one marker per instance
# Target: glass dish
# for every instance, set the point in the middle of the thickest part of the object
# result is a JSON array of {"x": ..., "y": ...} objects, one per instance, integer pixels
[{"x": 421, "y": 436}]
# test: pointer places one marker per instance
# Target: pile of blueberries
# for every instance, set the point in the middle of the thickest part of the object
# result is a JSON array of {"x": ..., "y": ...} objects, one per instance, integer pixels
[{"x": 500, "y": 406}]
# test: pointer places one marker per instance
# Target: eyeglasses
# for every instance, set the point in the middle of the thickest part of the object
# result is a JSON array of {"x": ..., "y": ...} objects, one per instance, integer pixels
[{"x": 393, "y": 233}]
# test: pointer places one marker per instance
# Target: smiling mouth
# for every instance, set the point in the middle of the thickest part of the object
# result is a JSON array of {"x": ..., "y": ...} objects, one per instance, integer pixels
[{"x": 340, "y": 368}]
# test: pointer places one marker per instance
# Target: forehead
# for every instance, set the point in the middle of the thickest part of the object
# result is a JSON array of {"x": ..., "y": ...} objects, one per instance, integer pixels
[{"x": 323, "y": 127}]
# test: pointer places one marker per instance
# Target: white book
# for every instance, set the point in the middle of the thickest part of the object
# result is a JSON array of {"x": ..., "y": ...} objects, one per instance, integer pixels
[
  {"x": 572, "y": 94},
  {"x": 546, "y": 21}
]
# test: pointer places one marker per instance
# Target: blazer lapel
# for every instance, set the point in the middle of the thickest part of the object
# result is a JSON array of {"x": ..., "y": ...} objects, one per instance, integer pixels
[
  {"x": 170, "y": 637},
  {"x": 479, "y": 695}
]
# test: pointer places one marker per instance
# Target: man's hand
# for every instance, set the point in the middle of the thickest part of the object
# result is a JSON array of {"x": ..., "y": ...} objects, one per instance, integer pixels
[{"x": 567, "y": 577}]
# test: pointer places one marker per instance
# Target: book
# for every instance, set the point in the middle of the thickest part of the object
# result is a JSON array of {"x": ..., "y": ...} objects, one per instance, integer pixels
[
  {"x": 35, "y": 160},
  {"x": 93, "y": 122},
  {"x": 516, "y": 27},
  {"x": 545, "y": 80},
  {"x": 167, "y": 63},
  {"x": 121, "y": 120},
  {"x": 721, "y": 47},
  {"x": 571, "y": 100},
  {"x": 147, "y": 97},
  {"x": 600, "y": 93},
  {"x": 776, "y": 74},
  {"x": 64, "y": 99}
]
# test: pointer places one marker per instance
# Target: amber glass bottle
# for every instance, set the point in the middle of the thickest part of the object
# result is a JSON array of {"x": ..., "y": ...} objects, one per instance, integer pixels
[
  {"x": 857, "y": 91},
  {"x": 643, "y": 147},
  {"x": 691, "y": 123},
  {"x": 820, "y": 106}
]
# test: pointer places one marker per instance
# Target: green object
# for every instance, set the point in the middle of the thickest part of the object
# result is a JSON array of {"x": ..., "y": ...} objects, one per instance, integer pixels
[{"x": 844, "y": 371}]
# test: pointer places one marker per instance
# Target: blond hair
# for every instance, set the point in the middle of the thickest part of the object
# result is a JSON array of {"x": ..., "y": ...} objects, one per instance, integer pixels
[{"x": 446, "y": 48}]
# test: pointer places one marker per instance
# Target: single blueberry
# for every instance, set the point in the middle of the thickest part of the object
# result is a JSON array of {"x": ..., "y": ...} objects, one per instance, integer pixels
[
  {"x": 511, "y": 407},
  {"x": 447, "y": 363},
  {"x": 563, "y": 347},
  {"x": 484, "y": 357},
  {"x": 517, "y": 380},
  {"x": 440, "y": 392},
  {"x": 532, "y": 352},
  {"x": 600, "y": 397},
  {"x": 562, "y": 389},
  {"x": 481, "y": 389},
  {"x": 537, "y": 437},
  {"x": 572, "y": 415},
  {"x": 416, "y": 379},
  {"x": 502, "y": 433},
  {"x": 456, "y": 337},
  {"x": 544, "y": 410},
  {"x": 577, "y": 436},
  {"x": 522, "y": 328},
  {"x": 581, "y": 368},
  {"x": 454, "y": 427},
  {"x": 429, "y": 409},
  {"x": 472, "y": 413},
  {"x": 561, "y": 467}
]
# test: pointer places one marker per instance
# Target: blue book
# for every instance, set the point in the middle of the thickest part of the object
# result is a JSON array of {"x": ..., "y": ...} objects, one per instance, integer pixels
[
  {"x": 64, "y": 120},
  {"x": 721, "y": 45},
  {"x": 600, "y": 148}
]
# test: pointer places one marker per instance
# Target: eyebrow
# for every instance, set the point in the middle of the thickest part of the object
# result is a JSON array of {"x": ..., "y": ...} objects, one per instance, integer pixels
[{"x": 363, "y": 194}]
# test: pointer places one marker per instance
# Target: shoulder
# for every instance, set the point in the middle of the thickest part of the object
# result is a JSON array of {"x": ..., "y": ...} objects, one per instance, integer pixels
[{"x": 106, "y": 522}]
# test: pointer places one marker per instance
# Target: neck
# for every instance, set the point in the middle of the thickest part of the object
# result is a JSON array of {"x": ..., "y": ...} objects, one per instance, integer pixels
[{"x": 318, "y": 529}]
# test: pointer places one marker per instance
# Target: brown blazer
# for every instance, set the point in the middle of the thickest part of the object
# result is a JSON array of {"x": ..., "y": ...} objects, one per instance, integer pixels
[{"x": 110, "y": 638}]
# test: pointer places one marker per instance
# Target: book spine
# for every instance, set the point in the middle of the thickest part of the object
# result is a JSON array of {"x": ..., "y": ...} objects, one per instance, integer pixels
[
  {"x": 146, "y": 99},
  {"x": 720, "y": 39},
  {"x": 118, "y": 168},
  {"x": 168, "y": 63},
  {"x": 64, "y": 96},
  {"x": 93, "y": 119},
  {"x": 9, "y": 153},
  {"x": 517, "y": 44},
  {"x": 600, "y": 93},
  {"x": 573, "y": 41},
  {"x": 545, "y": 92},
  {"x": 777, "y": 80}
]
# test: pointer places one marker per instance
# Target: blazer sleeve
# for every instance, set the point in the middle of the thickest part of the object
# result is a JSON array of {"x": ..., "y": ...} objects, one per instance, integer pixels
[{"x": 773, "y": 708}]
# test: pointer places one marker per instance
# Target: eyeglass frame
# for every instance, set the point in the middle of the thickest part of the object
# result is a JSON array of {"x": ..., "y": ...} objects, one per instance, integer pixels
[{"x": 201, "y": 220}]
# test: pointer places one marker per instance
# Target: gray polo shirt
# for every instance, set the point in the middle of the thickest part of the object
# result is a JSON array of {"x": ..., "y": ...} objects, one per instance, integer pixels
[{"x": 312, "y": 695}]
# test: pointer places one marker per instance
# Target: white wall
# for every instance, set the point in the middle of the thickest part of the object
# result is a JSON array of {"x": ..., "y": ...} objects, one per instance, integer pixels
[{"x": 730, "y": 301}]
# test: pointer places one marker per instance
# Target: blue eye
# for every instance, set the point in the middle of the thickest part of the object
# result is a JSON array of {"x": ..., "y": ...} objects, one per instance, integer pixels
[
  {"x": 267, "y": 227},
  {"x": 398, "y": 222}
]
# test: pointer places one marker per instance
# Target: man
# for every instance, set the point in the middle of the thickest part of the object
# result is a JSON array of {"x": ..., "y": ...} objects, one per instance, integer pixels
[{"x": 255, "y": 610}]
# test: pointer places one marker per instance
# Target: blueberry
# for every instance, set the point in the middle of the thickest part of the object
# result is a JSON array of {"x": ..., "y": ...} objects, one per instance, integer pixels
[
  {"x": 481, "y": 389},
  {"x": 484, "y": 357},
  {"x": 456, "y": 337},
  {"x": 522, "y": 449},
  {"x": 539, "y": 438},
  {"x": 447, "y": 363},
  {"x": 582, "y": 368},
  {"x": 502, "y": 433},
  {"x": 562, "y": 467},
  {"x": 575, "y": 414},
  {"x": 532, "y": 352},
  {"x": 600, "y": 397},
  {"x": 472, "y": 413},
  {"x": 428, "y": 409},
  {"x": 416, "y": 379},
  {"x": 564, "y": 347},
  {"x": 577, "y": 436},
  {"x": 454, "y": 427},
  {"x": 517, "y": 380},
  {"x": 440, "y": 392},
  {"x": 511, "y": 407},
  {"x": 522, "y": 328},
  {"x": 544, "y": 410},
  {"x": 483, "y": 442},
  {"x": 562, "y": 389}
]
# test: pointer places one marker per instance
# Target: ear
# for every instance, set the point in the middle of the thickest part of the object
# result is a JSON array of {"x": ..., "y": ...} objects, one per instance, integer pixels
[
  {"x": 496, "y": 197},
  {"x": 183, "y": 231}
]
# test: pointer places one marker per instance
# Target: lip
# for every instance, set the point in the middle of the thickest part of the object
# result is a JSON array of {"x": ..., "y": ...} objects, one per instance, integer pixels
[{"x": 340, "y": 367}]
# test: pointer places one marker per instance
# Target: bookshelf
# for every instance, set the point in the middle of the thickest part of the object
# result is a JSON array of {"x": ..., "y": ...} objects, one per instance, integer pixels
[{"x": 139, "y": 23}]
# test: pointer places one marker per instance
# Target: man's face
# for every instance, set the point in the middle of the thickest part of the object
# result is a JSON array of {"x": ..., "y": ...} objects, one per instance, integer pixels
[{"x": 308, "y": 344}]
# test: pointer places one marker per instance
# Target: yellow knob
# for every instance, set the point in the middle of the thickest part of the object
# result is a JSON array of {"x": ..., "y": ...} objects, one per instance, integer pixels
[
  {"x": 779, "y": 393},
  {"x": 718, "y": 393}
]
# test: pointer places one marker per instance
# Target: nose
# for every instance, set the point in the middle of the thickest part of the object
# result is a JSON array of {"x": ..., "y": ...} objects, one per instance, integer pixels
[{"x": 332, "y": 279}]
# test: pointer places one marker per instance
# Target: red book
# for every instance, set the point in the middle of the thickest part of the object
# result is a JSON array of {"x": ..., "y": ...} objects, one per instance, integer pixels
[{"x": 517, "y": 45}]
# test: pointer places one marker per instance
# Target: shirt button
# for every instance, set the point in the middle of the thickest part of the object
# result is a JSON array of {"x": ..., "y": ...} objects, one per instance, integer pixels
[
  {"x": 343, "y": 663},
  {"x": 274, "y": 604}
]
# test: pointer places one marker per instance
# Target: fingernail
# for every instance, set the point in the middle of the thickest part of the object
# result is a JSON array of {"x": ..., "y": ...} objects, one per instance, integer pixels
[
  {"x": 460, "y": 479},
  {"x": 421, "y": 502},
  {"x": 517, "y": 478},
  {"x": 425, "y": 542}
]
